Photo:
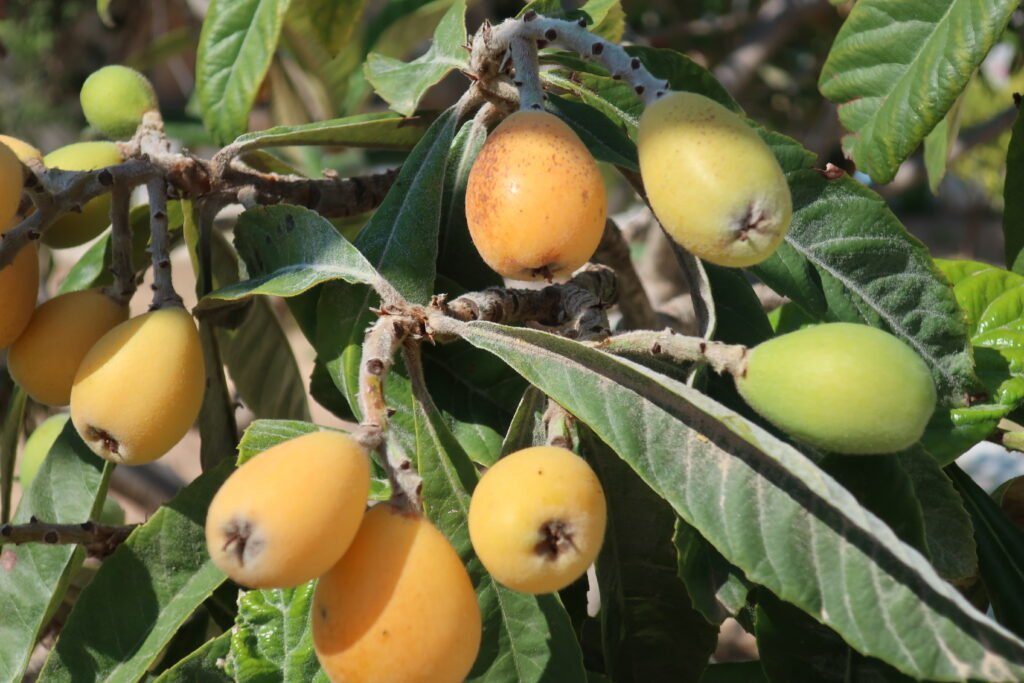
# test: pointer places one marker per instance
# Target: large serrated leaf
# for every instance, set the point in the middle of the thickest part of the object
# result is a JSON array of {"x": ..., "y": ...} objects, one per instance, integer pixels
[
  {"x": 897, "y": 67},
  {"x": 236, "y": 46},
  {"x": 525, "y": 637},
  {"x": 273, "y": 637},
  {"x": 379, "y": 130},
  {"x": 812, "y": 544},
  {"x": 402, "y": 84},
  {"x": 142, "y": 594},
  {"x": 650, "y": 630},
  {"x": 306, "y": 251},
  {"x": 835, "y": 223},
  {"x": 68, "y": 489}
]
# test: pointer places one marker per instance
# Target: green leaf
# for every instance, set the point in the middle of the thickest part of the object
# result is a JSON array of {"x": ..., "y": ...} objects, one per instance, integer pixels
[
  {"x": 682, "y": 73},
  {"x": 938, "y": 143},
  {"x": 292, "y": 249},
  {"x": 812, "y": 544},
  {"x": 1013, "y": 198},
  {"x": 896, "y": 68},
  {"x": 717, "y": 589},
  {"x": 202, "y": 666},
  {"x": 257, "y": 352},
  {"x": 457, "y": 257},
  {"x": 379, "y": 130},
  {"x": 606, "y": 141},
  {"x": 948, "y": 532},
  {"x": 525, "y": 637},
  {"x": 402, "y": 84},
  {"x": 273, "y": 637},
  {"x": 1000, "y": 551},
  {"x": 651, "y": 631},
  {"x": 68, "y": 489},
  {"x": 10, "y": 436},
  {"x": 400, "y": 241},
  {"x": 527, "y": 426},
  {"x": 143, "y": 593},
  {"x": 236, "y": 46},
  {"x": 332, "y": 21},
  {"x": 836, "y": 224},
  {"x": 794, "y": 647}
]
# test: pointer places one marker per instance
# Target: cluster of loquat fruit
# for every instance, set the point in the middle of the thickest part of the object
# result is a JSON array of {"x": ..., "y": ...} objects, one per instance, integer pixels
[{"x": 80, "y": 348}]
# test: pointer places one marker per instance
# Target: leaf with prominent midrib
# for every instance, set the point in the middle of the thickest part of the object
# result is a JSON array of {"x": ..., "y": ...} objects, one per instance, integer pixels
[
  {"x": 202, "y": 666},
  {"x": 768, "y": 509},
  {"x": 293, "y": 249},
  {"x": 143, "y": 593},
  {"x": 236, "y": 45},
  {"x": 379, "y": 130},
  {"x": 33, "y": 577},
  {"x": 897, "y": 67}
]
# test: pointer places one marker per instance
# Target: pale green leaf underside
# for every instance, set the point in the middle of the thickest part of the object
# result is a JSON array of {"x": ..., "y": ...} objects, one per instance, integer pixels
[
  {"x": 236, "y": 46},
  {"x": 402, "y": 84},
  {"x": 768, "y": 510},
  {"x": 380, "y": 130},
  {"x": 896, "y": 68},
  {"x": 307, "y": 251}
]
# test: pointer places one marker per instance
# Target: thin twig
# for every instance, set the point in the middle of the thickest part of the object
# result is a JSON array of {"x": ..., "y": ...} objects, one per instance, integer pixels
[
  {"x": 524, "y": 57},
  {"x": 558, "y": 424},
  {"x": 721, "y": 357},
  {"x": 121, "y": 246},
  {"x": 159, "y": 247},
  {"x": 99, "y": 539}
]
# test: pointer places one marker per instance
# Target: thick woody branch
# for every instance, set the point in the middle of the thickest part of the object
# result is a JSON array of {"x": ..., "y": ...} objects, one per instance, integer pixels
[
  {"x": 99, "y": 539},
  {"x": 578, "y": 305},
  {"x": 722, "y": 358},
  {"x": 380, "y": 345}
]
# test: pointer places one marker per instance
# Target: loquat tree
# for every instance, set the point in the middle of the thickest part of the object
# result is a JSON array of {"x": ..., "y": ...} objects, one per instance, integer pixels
[{"x": 511, "y": 481}]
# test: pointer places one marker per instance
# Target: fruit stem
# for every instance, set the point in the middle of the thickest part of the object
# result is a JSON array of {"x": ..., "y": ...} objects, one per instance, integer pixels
[
  {"x": 730, "y": 358},
  {"x": 380, "y": 345},
  {"x": 558, "y": 424},
  {"x": 121, "y": 246},
  {"x": 524, "y": 57},
  {"x": 634, "y": 304},
  {"x": 159, "y": 247}
]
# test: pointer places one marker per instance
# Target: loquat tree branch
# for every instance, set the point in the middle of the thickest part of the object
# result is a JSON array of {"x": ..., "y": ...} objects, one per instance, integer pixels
[
  {"x": 159, "y": 247},
  {"x": 121, "y": 246},
  {"x": 579, "y": 305},
  {"x": 99, "y": 540},
  {"x": 721, "y": 357},
  {"x": 634, "y": 304}
]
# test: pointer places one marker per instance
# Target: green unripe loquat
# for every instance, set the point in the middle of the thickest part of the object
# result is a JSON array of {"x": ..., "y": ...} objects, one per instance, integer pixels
[
  {"x": 46, "y": 356},
  {"x": 711, "y": 180},
  {"x": 12, "y": 182},
  {"x": 398, "y": 607},
  {"x": 535, "y": 199},
  {"x": 73, "y": 229},
  {"x": 288, "y": 514},
  {"x": 114, "y": 99},
  {"x": 841, "y": 387},
  {"x": 537, "y": 519},
  {"x": 19, "y": 288},
  {"x": 139, "y": 389}
]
